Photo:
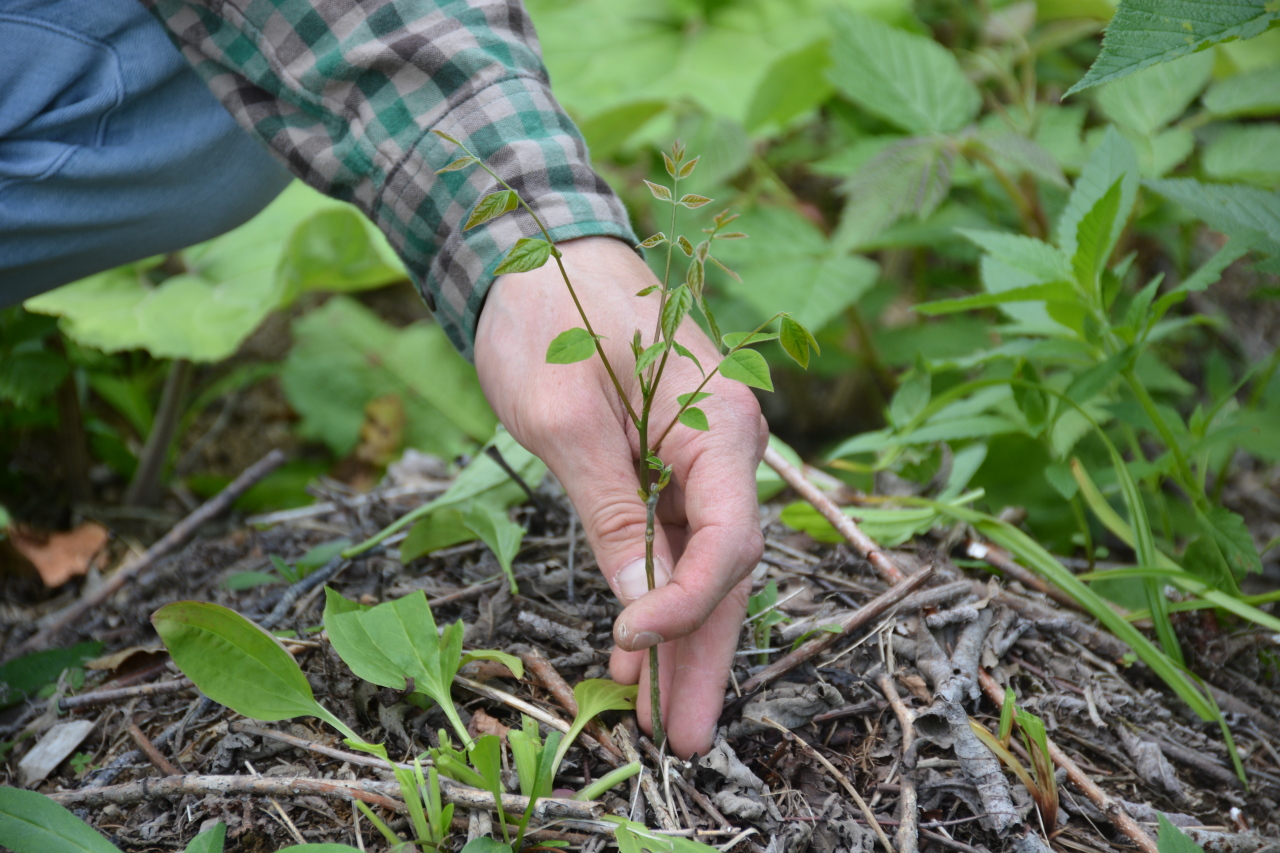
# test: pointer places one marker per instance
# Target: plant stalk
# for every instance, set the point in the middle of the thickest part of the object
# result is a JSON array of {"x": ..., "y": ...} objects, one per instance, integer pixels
[
  {"x": 655, "y": 697},
  {"x": 145, "y": 488}
]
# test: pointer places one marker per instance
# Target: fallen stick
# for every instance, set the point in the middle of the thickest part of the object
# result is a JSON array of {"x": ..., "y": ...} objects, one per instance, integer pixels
[
  {"x": 385, "y": 794},
  {"x": 861, "y": 542},
  {"x": 1109, "y": 807},
  {"x": 155, "y": 756},
  {"x": 908, "y": 814},
  {"x": 103, "y": 697},
  {"x": 171, "y": 541},
  {"x": 859, "y": 618}
]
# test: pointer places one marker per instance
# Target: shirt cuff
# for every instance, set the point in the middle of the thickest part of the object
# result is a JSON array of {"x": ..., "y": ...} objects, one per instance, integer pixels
[{"x": 516, "y": 127}]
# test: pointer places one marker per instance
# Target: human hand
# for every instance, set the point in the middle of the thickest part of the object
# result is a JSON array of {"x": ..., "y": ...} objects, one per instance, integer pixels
[{"x": 571, "y": 417}]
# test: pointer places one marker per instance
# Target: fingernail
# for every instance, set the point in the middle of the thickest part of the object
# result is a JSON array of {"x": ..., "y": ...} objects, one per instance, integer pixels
[
  {"x": 631, "y": 581},
  {"x": 644, "y": 640}
]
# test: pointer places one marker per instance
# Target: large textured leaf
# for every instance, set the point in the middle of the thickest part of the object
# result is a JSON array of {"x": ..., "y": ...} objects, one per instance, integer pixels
[
  {"x": 1256, "y": 93},
  {"x": 236, "y": 663},
  {"x": 1113, "y": 160},
  {"x": 1150, "y": 99},
  {"x": 1246, "y": 153},
  {"x": 344, "y": 356},
  {"x": 1249, "y": 214},
  {"x": 33, "y": 823},
  {"x": 1093, "y": 239},
  {"x": 908, "y": 178},
  {"x": 908, "y": 80},
  {"x": 796, "y": 83},
  {"x": 231, "y": 282},
  {"x": 1145, "y": 32},
  {"x": 789, "y": 265}
]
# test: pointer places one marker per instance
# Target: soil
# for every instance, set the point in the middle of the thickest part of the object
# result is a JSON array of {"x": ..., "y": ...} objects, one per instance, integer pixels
[{"x": 759, "y": 790}]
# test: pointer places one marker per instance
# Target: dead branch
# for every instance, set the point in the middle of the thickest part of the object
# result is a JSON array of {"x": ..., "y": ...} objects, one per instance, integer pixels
[
  {"x": 104, "y": 697},
  {"x": 908, "y": 814}
]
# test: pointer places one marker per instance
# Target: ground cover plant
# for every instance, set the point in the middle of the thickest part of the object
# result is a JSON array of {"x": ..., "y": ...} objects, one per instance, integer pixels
[{"x": 1040, "y": 264}]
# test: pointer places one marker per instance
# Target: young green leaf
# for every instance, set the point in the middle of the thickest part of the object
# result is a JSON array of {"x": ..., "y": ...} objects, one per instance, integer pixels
[
  {"x": 748, "y": 367},
  {"x": 685, "y": 246},
  {"x": 650, "y": 289},
  {"x": 695, "y": 276},
  {"x": 684, "y": 353},
  {"x": 1006, "y": 716},
  {"x": 656, "y": 240},
  {"x": 491, "y": 207},
  {"x": 526, "y": 751},
  {"x": 1171, "y": 839},
  {"x": 693, "y": 200},
  {"x": 500, "y": 533},
  {"x": 669, "y": 163},
  {"x": 237, "y": 664},
  {"x": 595, "y": 696},
  {"x": 695, "y": 418},
  {"x": 441, "y": 529},
  {"x": 1093, "y": 240},
  {"x": 687, "y": 169},
  {"x": 679, "y": 301},
  {"x": 485, "y": 844},
  {"x": 460, "y": 163},
  {"x": 797, "y": 341},
  {"x": 692, "y": 399},
  {"x": 734, "y": 340},
  {"x": 570, "y": 346},
  {"x": 33, "y": 823},
  {"x": 527, "y": 254},
  {"x": 211, "y": 840},
  {"x": 659, "y": 191},
  {"x": 320, "y": 848},
  {"x": 649, "y": 356},
  {"x": 446, "y": 137}
]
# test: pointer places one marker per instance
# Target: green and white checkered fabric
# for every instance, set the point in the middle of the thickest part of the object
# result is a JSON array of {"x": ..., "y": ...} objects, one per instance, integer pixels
[{"x": 346, "y": 92}]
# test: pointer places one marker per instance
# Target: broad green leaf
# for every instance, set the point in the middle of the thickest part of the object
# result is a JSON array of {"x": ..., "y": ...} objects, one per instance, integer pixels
[
  {"x": 659, "y": 191},
  {"x": 1044, "y": 262},
  {"x": 485, "y": 844},
  {"x": 21, "y": 677},
  {"x": 649, "y": 356},
  {"x": 33, "y": 823},
  {"x": 684, "y": 353},
  {"x": 485, "y": 481},
  {"x": 527, "y": 254},
  {"x": 318, "y": 848},
  {"x": 796, "y": 340},
  {"x": 230, "y": 285},
  {"x": 28, "y": 378},
  {"x": 1171, "y": 839},
  {"x": 1245, "y": 153},
  {"x": 692, "y": 398},
  {"x": 1147, "y": 101},
  {"x": 612, "y": 129},
  {"x": 1255, "y": 93},
  {"x": 594, "y": 696},
  {"x": 748, "y": 367},
  {"x": 1093, "y": 241},
  {"x": 570, "y": 346},
  {"x": 1233, "y": 540},
  {"x": 491, "y": 207},
  {"x": 695, "y": 418},
  {"x": 210, "y": 841},
  {"x": 1249, "y": 214},
  {"x": 909, "y": 178},
  {"x": 344, "y": 356},
  {"x": 741, "y": 339},
  {"x": 911, "y": 397},
  {"x": 237, "y": 664},
  {"x": 794, "y": 84},
  {"x": 526, "y": 751},
  {"x": 821, "y": 280},
  {"x": 679, "y": 301},
  {"x": 1146, "y": 32},
  {"x": 889, "y": 527},
  {"x": 1113, "y": 160},
  {"x": 441, "y": 529},
  {"x": 500, "y": 533},
  {"x": 908, "y": 80}
]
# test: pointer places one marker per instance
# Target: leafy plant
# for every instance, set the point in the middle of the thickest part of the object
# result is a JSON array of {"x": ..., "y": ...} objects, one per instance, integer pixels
[
  {"x": 1040, "y": 783},
  {"x": 762, "y": 610}
]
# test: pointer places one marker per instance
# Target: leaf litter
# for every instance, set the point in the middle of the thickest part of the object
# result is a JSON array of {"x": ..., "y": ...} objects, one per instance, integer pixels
[{"x": 757, "y": 790}]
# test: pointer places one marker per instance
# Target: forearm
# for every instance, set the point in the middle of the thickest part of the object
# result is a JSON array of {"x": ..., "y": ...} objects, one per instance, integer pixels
[{"x": 346, "y": 94}]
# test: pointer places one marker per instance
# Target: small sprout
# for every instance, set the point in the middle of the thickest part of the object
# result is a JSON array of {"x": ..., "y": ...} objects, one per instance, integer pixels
[
  {"x": 460, "y": 163},
  {"x": 654, "y": 462},
  {"x": 659, "y": 191},
  {"x": 685, "y": 246},
  {"x": 446, "y": 137},
  {"x": 723, "y": 218},
  {"x": 656, "y": 240},
  {"x": 669, "y": 163},
  {"x": 677, "y": 148},
  {"x": 687, "y": 169},
  {"x": 491, "y": 207},
  {"x": 650, "y": 289},
  {"x": 649, "y": 356},
  {"x": 693, "y": 200}
]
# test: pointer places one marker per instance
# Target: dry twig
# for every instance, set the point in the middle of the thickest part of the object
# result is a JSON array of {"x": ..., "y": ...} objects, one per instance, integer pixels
[{"x": 908, "y": 817}]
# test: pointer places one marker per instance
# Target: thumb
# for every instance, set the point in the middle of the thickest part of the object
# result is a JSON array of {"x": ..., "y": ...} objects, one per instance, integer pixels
[{"x": 600, "y": 480}]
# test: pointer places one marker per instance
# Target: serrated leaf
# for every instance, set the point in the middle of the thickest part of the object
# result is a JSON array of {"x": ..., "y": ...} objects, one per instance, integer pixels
[
  {"x": 1245, "y": 153},
  {"x": 1093, "y": 239},
  {"x": 695, "y": 418},
  {"x": 660, "y": 192},
  {"x": 684, "y": 353},
  {"x": 528, "y": 253},
  {"x": 748, "y": 367},
  {"x": 570, "y": 346},
  {"x": 691, "y": 398},
  {"x": 236, "y": 663},
  {"x": 679, "y": 301},
  {"x": 910, "y": 177},
  {"x": 1255, "y": 93},
  {"x": 908, "y": 80},
  {"x": 1147, "y": 101},
  {"x": 1145, "y": 32},
  {"x": 693, "y": 200},
  {"x": 1249, "y": 214},
  {"x": 33, "y": 823},
  {"x": 685, "y": 246},
  {"x": 655, "y": 240},
  {"x": 796, "y": 340},
  {"x": 491, "y": 207},
  {"x": 1114, "y": 159},
  {"x": 460, "y": 163},
  {"x": 1054, "y": 291},
  {"x": 1233, "y": 539},
  {"x": 794, "y": 84},
  {"x": 742, "y": 339},
  {"x": 910, "y": 398}
]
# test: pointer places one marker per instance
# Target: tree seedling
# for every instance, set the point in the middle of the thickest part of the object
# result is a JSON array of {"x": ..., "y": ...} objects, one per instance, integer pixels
[{"x": 651, "y": 354}]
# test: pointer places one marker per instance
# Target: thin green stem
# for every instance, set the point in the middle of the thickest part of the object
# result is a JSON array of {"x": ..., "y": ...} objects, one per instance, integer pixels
[
  {"x": 1031, "y": 223},
  {"x": 655, "y": 698},
  {"x": 614, "y": 777},
  {"x": 1182, "y": 467}
]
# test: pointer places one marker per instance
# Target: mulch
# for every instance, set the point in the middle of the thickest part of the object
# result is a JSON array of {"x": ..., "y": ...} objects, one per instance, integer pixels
[{"x": 163, "y": 762}]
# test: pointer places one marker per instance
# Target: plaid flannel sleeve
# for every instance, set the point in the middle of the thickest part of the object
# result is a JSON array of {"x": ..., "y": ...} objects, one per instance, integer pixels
[{"x": 346, "y": 92}]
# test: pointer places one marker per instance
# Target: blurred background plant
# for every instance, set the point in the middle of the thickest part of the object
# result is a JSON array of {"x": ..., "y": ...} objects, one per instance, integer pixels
[{"x": 1060, "y": 309}]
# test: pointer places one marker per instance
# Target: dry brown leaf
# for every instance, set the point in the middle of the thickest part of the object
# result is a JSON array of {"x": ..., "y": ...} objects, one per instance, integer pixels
[{"x": 59, "y": 556}]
